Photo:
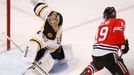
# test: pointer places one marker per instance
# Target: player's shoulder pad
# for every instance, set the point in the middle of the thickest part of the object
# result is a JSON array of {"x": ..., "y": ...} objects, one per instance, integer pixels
[{"x": 120, "y": 20}]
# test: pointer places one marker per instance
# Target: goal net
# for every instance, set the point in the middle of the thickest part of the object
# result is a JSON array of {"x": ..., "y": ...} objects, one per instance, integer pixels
[
  {"x": 4, "y": 24},
  {"x": 18, "y": 21}
]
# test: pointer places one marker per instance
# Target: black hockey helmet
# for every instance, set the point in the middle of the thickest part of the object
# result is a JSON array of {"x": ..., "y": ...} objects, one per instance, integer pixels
[{"x": 109, "y": 12}]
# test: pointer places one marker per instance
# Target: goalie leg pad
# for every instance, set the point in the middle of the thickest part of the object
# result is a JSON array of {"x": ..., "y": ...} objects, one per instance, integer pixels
[
  {"x": 31, "y": 71},
  {"x": 46, "y": 62}
]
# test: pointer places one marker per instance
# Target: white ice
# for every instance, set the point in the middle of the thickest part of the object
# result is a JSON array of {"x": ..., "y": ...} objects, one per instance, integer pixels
[{"x": 81, "y": 18}]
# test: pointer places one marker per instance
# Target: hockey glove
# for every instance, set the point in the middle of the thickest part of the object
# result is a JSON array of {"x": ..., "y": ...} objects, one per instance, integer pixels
[
  {"x": 125, "y": 47},
  {"x": 35, "y": 2}
]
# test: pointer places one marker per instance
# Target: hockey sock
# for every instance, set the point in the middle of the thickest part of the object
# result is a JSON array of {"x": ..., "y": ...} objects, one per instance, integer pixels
[
  {"x": 127, "y": 73},
  {"x": 90, "y": 69}
]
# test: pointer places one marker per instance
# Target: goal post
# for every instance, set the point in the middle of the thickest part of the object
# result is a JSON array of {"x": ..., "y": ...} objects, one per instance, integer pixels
[
  {"x": 17, "y": 21},
  {"x": 8, "y": 23},
  {"x": 5, "y": 19}
]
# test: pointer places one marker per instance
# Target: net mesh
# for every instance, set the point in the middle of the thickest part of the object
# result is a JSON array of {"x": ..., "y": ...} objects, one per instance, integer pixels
[{"x": 3, "y": 26}]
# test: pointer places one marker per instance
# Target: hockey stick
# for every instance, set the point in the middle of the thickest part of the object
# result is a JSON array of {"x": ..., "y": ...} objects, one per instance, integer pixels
[
  {"x": 35, "y": 64},
  {"x": 13, "y": 42},
  {"x": 121, "y": 55}
]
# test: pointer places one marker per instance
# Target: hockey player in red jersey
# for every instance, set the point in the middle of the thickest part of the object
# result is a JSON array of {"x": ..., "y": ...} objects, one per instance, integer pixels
[{"x": 108, "y": 41}]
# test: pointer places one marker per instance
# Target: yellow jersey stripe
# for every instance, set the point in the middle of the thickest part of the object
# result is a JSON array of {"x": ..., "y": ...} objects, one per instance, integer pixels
[{"x": 41, "y": 11}]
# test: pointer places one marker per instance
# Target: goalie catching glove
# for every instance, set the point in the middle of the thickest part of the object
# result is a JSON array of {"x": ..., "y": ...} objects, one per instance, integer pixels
[
  {"x": 35, "y": 2},
  {"x": 125, "y": 47}
]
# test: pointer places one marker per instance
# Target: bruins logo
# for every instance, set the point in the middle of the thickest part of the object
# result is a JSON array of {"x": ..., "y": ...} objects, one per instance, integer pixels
[{"x": 49, "y": 35}]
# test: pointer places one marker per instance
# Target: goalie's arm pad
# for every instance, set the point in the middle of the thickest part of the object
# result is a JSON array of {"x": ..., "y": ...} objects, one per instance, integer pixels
[{"x": 42, "y": 10}]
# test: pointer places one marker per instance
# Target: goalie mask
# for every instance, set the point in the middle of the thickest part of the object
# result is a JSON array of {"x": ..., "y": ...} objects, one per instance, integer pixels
[
  {"x": 109, "y": 12},
  {"x": 55, "y": 17}
]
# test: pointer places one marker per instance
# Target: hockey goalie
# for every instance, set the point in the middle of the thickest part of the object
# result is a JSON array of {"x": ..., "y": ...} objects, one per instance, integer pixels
[{"x": 45, "y": 46}]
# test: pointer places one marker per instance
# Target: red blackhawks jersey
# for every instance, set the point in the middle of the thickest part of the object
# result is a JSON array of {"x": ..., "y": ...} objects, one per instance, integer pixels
[{"x": 109, "y": 37}]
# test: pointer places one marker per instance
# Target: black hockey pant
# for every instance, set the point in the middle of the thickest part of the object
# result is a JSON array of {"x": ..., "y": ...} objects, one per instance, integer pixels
[{"x": 112, "y": 62}]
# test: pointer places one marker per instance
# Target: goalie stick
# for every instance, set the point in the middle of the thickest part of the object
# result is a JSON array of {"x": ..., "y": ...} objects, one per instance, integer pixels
[
  {"x": 35, "y": 64},
  {"x": 12, "y": 42}
]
